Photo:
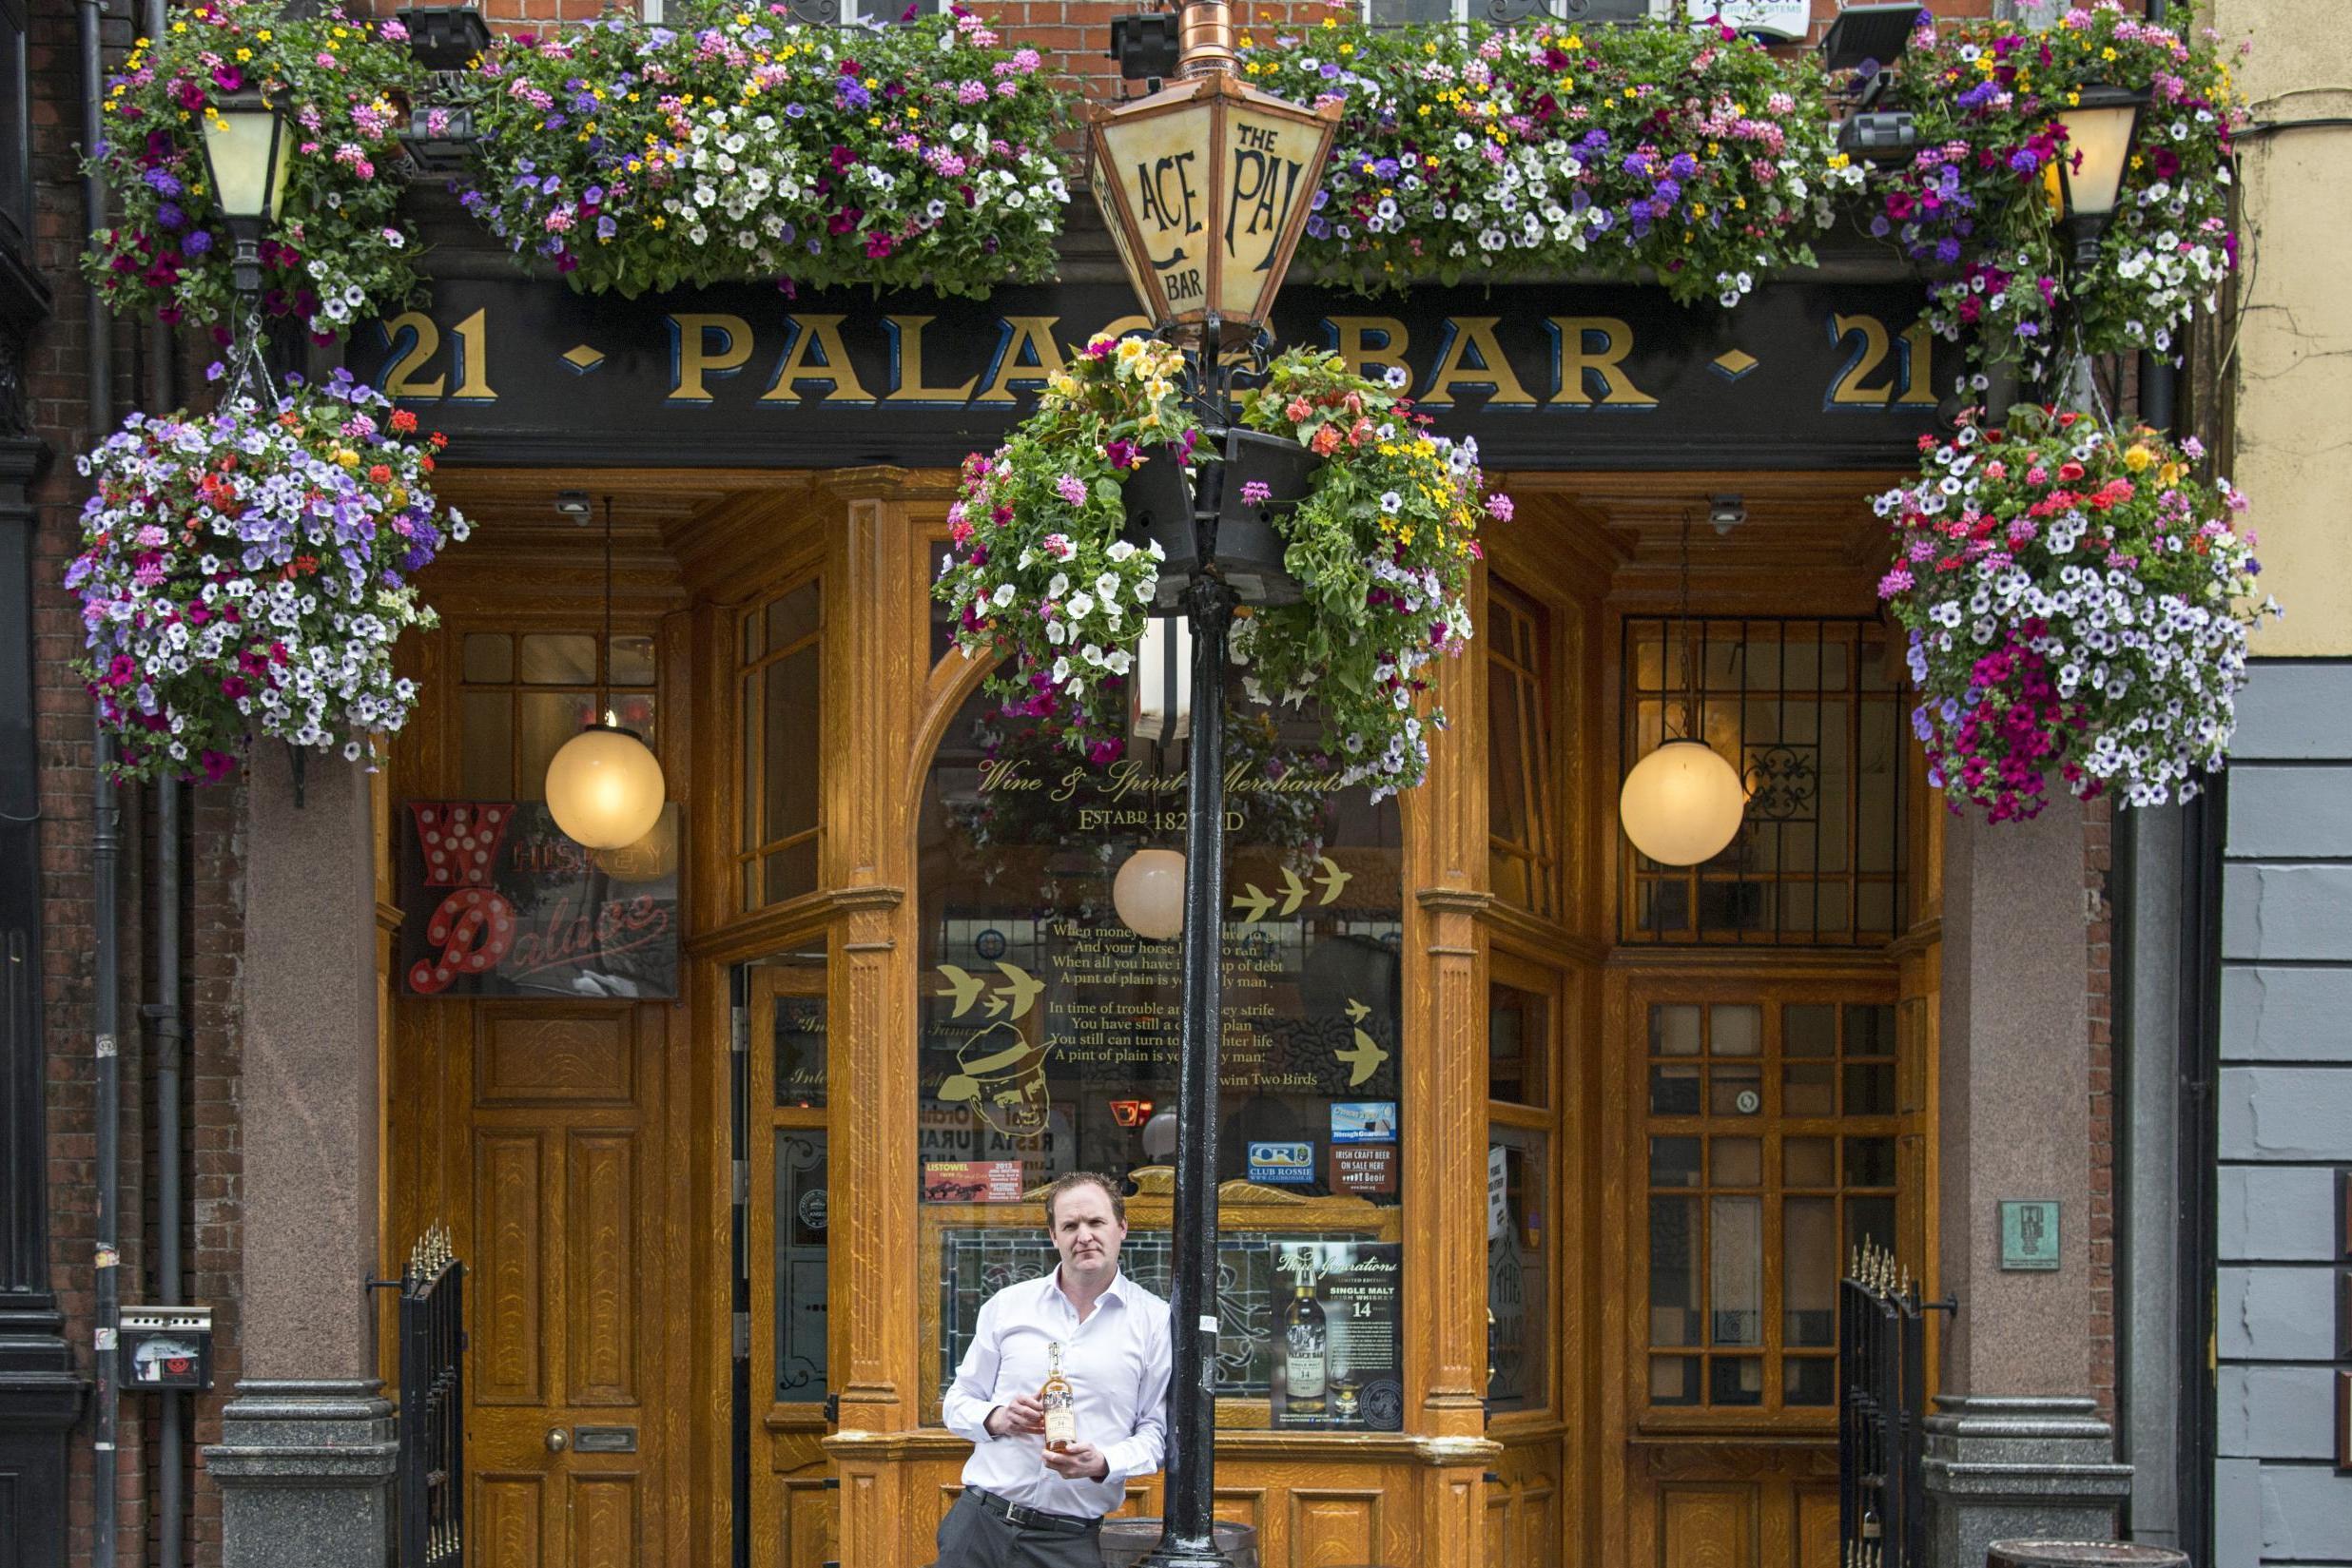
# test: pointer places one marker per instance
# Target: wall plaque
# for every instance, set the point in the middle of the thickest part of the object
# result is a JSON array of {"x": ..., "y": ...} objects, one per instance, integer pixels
[{"x": 2029, "y": 1234}]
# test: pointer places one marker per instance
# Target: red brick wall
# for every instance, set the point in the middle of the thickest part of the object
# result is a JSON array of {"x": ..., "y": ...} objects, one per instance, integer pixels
[{"x": 56, "y": 386}]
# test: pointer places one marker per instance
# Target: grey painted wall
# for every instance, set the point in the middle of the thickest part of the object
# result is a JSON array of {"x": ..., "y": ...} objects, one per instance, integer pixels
[{"x": 2286, "y": 1110}]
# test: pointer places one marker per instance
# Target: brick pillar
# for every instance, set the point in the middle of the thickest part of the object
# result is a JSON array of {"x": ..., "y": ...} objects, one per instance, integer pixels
[
  {"x": 304, "y": 1464},
  {"x": 2017, "y": 1446}
]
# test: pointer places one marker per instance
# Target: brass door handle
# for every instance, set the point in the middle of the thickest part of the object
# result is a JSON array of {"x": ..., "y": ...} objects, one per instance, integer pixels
[{"x": 558, "y": 1440}]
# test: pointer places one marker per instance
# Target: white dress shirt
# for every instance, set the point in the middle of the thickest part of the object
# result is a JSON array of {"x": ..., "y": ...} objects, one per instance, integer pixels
[{"x": 1117, "y": 1362}]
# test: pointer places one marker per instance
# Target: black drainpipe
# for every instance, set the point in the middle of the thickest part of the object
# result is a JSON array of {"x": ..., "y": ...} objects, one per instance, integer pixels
[
  {"x": 2196, "y": 1148},
  {"x": 169, "y": 1458},
  {"x": 105, "y": 829},
  {"x": 170, "y": 1453}
]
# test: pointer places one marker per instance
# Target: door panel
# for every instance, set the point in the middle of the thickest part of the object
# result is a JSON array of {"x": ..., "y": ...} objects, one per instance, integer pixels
[{"x": 565, "y": 1432}]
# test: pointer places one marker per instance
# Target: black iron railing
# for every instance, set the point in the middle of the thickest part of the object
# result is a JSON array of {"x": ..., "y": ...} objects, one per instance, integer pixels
[
  {"x": 431, "y": 1478},
  {"x": 1881, "y": 1397}
]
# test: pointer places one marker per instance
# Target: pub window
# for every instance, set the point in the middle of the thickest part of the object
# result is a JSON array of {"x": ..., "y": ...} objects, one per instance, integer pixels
[
  {"x": 1049, "y": 1035},
  {"x": 777, "y": 674},
  {"x": 1522, "y": 834},
  {"x": 1522, "y": 1017},
  {"x": 1811, "y": 713},
  {"x": 522, "y": 695},
  {"x": 1772, "y": 1138}
]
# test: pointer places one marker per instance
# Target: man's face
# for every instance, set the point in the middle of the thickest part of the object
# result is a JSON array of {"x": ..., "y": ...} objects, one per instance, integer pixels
[{"x": 1087, "y": 1235}]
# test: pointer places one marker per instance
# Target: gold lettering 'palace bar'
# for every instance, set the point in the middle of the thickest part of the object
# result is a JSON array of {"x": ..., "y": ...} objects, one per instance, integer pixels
[{"x": 1802, "y": 376}]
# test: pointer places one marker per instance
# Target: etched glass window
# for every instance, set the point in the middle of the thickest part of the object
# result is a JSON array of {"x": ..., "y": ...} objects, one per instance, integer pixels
[{"x": 1049, "y": 1040}]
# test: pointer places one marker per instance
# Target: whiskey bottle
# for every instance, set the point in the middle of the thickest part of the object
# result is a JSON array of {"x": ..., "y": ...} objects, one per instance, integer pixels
[
  {"x": 1306, "y": 1353},
  {"x": 1061, "y": 1402}
]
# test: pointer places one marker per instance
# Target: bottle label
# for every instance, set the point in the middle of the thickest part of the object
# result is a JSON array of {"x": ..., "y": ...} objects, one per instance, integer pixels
[
  {"x": 1305, "y": 1344},
  {"x": 1060, "y": 1420}
]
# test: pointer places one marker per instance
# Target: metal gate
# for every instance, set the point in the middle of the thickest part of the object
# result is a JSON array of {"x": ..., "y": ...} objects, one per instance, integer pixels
[
  {"x": 431, "y": 1476},
  {"x": 1881, "y": 1397}
]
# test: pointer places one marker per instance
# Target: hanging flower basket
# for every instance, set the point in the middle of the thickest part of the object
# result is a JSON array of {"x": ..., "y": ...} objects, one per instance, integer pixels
[
  {"x": 340, "y": 251},
  {"x": 1067, "y": 535},
  {"x": 247, "y": 572},
  {"x": 2078, "y": 603}
]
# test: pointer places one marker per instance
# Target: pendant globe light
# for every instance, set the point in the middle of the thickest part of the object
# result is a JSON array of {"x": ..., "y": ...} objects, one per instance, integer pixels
[
  {"x": 1682, "y": 803},
  {"x": 604, "y": 788}
]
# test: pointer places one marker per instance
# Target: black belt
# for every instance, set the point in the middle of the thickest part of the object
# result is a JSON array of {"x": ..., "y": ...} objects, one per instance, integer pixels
[{"x": 1033, "y": 1518}]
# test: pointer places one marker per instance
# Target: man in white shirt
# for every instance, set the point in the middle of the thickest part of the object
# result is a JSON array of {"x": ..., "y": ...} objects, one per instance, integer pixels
[{"x": 1024, "y": 1505}]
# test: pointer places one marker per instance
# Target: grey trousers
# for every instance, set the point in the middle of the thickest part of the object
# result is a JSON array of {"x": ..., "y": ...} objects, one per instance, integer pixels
[{"x": 971, "y": 1537}]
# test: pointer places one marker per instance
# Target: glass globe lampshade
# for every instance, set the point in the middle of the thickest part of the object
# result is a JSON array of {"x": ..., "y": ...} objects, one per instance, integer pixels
[
  {"x": 1682, "y": 803},
  {"x": 604, "y": 788},
  {"x": 1149, "y": 894}
]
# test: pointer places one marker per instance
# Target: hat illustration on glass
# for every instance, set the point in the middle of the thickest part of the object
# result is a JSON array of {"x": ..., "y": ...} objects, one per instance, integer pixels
[{"x": 1004, "y": 1075}]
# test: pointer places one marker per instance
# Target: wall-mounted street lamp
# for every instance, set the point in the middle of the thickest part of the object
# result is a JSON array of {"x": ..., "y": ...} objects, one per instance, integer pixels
[
  {"x": 246, "y": 156},
  {"x": 2102, "y": 126}
]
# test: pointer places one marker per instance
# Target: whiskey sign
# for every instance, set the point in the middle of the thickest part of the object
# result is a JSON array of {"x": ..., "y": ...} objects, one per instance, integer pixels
[{"x": 496, "y": 902}]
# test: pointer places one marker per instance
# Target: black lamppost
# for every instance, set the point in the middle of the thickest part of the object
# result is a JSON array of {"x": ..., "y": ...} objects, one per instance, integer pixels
[{"x": 1206, "y": 185}]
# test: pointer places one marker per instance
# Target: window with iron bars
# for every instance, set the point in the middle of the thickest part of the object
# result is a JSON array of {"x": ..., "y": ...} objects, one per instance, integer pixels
[{"x": 1811, "y": 712}]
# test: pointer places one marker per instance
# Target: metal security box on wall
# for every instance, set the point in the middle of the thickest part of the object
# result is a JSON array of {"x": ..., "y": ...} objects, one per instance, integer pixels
[{"x": 167, "y": 1346}]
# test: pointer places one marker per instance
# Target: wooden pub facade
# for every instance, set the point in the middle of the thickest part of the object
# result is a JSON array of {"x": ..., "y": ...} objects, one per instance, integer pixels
[{"x": 721, "y": 1130}]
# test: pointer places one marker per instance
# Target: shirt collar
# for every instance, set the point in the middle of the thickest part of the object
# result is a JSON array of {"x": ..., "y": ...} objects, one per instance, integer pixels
[{"x": 1116, "y": 1290}]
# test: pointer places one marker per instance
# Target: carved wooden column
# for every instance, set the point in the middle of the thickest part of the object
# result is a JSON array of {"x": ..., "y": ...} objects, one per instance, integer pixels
[
  {"x": 1445, "y": 1135},
  {"x": 873, "y": 669}
]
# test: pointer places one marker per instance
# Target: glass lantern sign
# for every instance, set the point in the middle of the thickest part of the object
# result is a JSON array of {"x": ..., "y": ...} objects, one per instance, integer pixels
[{"x": 1206, "y": 185}]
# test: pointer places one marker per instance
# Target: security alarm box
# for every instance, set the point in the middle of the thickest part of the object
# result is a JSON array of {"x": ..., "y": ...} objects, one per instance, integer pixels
[{"x": 167, "y": 1346}]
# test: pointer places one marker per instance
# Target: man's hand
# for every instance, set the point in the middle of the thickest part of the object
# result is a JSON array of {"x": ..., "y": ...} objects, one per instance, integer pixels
[
  {"x": 1083, "y": 1462},
  {"x": 1021, "y": 1415}
]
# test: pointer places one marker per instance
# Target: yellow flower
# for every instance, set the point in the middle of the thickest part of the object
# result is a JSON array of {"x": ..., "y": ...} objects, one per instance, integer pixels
[
  {"x": 2138, "y": 457},
  {"x": 660, "y": 222},
  {"x": 244, "y": 55},
  {"x": 265, "y": 35},
  {"x": 347, "y": 458}
]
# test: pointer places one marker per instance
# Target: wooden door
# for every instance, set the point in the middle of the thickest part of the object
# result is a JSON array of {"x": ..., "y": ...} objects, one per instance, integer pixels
[{"x": 574, "y": 1291}]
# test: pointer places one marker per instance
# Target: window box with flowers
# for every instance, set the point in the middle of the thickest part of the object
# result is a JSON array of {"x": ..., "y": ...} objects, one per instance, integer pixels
[{"x": 632, "y": 156}]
